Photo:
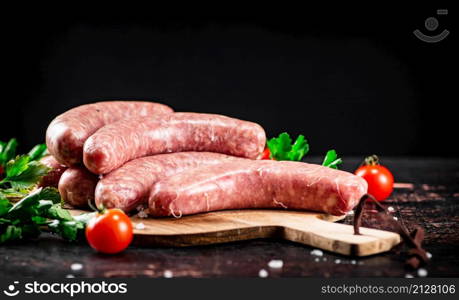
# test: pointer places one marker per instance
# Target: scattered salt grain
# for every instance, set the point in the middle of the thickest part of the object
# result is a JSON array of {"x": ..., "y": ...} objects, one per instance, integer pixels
[
  {"x": 317, "y": 252},
  {"x": 337, "y": 261},
  {"x": 395, "y": 218},
  {"x": 139, "y": 226},
  {"x": 69, "y": 276},
  {"x": 409, "y": 276},
  {"x": 142, "y": 214},
  {"x": 353, "y": 262},
  {"x": 429, "y": 255},
  {"x": 276, "y": 264},
  {"x": 168, "y": 274},
  {"x": 263, "y": 273},
  {"x": 390, "y": 209},
  {"x": 422, "y": 272},
  {"x": 76, "y": 267}
]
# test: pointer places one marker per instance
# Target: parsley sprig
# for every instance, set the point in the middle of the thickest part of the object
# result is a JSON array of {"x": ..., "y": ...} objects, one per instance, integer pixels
[
  {"x": 7, "y": 151},
  {"x": 39, "y": 211},
  {"x": 281, "y": 148},
  {"x": 332, "y": 160},
  {"x": 20, "y": 173}
]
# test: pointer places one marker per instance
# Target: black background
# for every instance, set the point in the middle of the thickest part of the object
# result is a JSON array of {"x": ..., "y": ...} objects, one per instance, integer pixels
[{"x": 356, "y": 80}]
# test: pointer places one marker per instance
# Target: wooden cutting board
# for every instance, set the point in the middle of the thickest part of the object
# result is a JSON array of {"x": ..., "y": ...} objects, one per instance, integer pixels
[{"x": 309, "y": 228}]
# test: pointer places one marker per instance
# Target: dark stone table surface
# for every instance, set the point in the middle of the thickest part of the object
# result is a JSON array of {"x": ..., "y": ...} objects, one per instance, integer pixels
[{"x": 430, "y": 200}]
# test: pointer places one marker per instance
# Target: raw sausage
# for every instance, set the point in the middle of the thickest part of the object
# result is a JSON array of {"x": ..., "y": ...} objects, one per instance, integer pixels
[
  {"x": 77, "y": 186},
  {"x": 257, "y": 184},
  {"x": 53, "y": 176},
  {"x": 128, "y": 186},
  {"x": 67, "y": 133},
  {"x": 113, "y": 145}
]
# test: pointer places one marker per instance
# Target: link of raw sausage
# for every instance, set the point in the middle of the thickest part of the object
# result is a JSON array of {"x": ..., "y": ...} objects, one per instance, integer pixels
[
  {"x": 77, "y": 186},
  {"x": 257, "y": 184},
  {"x": 128, "y": 186},
  {"x": 53, "y": 176},
  {"x": 113, "y": 145},
  {"x": 67, "y": 133}
]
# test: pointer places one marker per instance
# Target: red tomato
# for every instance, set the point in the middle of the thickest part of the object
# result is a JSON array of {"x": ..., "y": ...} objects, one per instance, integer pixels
[
  {"x": 110, "y": 231},
  {"x": 379, "y": 178},
  {"x": 266, "y": 154}
]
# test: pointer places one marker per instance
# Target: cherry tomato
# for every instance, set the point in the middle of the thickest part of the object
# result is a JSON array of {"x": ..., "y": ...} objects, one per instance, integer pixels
[
  {"x": 110, "y": 231},
  {"x": 380, "y": 180},
  {"x": 266, "y": 154}
]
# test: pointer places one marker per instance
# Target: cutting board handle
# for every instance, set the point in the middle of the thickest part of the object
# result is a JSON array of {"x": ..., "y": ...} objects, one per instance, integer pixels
[{"x": 340, "y": 238}]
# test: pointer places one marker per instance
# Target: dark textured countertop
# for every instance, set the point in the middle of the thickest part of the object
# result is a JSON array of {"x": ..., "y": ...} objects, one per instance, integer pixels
[{"x": 432, "y": 201}]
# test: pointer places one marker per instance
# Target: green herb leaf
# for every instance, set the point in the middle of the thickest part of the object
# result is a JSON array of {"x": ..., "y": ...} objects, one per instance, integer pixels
[
  {"x": 28, "y": 177},
  {"x": 8, "y": 151},
  {"x": 331, "y": 160},
  {"x": 299, "y": 149},
  {"x": 10, "y": 233},
  {"x": 10, "y": 193},
  {"x": 37, "y": 152},
  {"x": 2, "y": 146},
  {"x": 39, "y": 220},
  {"x": 4, "y": 221},
  {"x": 42, "y": 207},
  {"x": 57, "y": 212},
  {"x": 67, "y": 229},
  {"x": 50, "y": 193},
  {"x": 25, "y": 203},
  {"x": 17, "y": 166},
  {"x": 5, "y": 205},
  {"x": 281, "y": 148}
]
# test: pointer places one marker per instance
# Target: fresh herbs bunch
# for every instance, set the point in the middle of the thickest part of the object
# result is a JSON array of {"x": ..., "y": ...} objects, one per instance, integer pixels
[
  {"x": 281, "y": 148},
  {"x": 19, "y": 174},
  {"x": 39, "y": 209}
]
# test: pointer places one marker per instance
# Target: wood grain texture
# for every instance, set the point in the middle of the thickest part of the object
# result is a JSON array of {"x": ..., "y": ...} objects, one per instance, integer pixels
[{"x": 308, "y": 228}]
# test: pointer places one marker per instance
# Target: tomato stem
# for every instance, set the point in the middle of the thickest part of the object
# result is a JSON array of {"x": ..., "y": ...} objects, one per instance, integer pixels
[
  {"x": 100, "y": 209},
  {"x": 371, "y": 160}
]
